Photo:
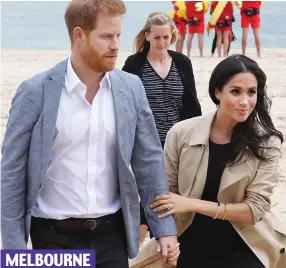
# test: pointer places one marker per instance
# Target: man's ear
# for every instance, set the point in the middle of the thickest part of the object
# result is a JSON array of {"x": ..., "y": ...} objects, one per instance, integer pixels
[{"x": 79, "y": 35}]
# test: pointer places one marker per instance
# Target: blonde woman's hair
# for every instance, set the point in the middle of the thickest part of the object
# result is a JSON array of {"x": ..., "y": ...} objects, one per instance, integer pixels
[{"x": 155, "y": 18}]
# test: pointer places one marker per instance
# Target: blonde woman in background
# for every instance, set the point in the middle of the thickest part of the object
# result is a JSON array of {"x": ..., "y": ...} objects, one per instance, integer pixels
[{"x": 167, "y": 76}]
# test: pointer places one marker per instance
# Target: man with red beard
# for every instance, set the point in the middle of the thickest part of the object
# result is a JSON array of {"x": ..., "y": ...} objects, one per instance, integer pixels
[{"x": 80, "y": 146}]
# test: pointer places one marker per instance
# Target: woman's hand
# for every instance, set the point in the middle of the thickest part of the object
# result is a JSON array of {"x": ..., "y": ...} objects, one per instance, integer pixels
[{"x": 174, "y": 203}]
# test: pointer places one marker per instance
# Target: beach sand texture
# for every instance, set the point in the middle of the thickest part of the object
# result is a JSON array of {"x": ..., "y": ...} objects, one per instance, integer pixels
[{"x": 18, "y": 65}]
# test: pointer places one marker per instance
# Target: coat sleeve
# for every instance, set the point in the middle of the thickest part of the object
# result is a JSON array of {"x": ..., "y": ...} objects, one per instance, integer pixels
[
  {"x": 127, "y": 66},
  {"x": 191, "y": 105},
  {"x": 172, "y": 159},
  {"x": 148, "y": 166},
  {"x": 259, "y": 191},
  {"x": 23, "y": 116}
]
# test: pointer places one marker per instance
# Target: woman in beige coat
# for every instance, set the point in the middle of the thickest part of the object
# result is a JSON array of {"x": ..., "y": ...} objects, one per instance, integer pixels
[{"x": 222, "y": 168}]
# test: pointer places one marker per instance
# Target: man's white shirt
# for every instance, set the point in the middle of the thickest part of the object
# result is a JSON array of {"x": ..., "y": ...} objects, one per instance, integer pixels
[{"x": 82, "y": 177}]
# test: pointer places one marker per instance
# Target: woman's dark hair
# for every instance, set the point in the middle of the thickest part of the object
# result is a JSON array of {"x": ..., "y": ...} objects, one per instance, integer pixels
[{"x": 258, "y": 127}]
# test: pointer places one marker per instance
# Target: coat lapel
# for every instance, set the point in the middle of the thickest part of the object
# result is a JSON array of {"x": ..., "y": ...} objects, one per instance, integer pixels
[
  {"x": 231, "y": 174},
  {"x": 199, "y": 143},
  {"x": 122, "y": 111},
  {"x": 198, "y": 185},
  {"x": 52, "y": 95}
]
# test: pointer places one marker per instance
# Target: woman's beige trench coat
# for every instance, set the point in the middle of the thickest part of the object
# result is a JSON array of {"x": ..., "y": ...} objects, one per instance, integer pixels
[{"x": 251, "y": 181}]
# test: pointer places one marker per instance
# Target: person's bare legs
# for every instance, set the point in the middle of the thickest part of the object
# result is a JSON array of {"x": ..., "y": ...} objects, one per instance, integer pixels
[
  {"x": 189, "y": 44},
  {"x": 219, "y": 42},
  {"x": 225, "y": 36},
  {"x": 201, "y": 43},
  {"x": 244, "y": 39},
  {"x": 180, "y": 42},
  {"x": 257, "y": 41}
]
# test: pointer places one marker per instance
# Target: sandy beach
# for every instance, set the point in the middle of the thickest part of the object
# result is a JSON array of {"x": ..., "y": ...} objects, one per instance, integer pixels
[{"x": 18, "y": 65}]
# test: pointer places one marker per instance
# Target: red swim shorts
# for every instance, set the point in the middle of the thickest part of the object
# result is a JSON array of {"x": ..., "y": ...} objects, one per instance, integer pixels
[
  {"x": 181, "y": 27},
  {"x": 254, "y": 21},
  {"x": 224, "y": 29},
  {"x": 199, "y": 29},
  {"x": 225, "y": 24}
]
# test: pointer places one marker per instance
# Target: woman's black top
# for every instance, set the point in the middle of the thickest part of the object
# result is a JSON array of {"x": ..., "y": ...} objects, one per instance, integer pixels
[
  {"x": 214, "y": 243},
  {"x": 164, "y": 96},
  {"x": 190, "y": 104}
]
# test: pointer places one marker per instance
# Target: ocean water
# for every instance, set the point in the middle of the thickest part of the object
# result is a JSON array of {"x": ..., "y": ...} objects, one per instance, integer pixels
[{"x": 40, "y": 24}]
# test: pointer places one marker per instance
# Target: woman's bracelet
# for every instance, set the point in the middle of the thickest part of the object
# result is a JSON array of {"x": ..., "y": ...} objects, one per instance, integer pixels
[
  {"x": 225, "y": 211},
  {"x": 217, "y": 210}
]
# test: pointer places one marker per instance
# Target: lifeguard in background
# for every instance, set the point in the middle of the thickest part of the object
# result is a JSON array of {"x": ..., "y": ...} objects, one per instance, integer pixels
[
  {"x": 250, "y": 15},
  {"x": 221, "y": 20},
  {"x": 196, "y": 23},
  {"x": 179, "y": 16}
]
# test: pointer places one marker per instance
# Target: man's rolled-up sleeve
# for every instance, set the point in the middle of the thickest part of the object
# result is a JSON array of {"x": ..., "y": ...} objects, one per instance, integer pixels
[{"x": 149, "y": 168}]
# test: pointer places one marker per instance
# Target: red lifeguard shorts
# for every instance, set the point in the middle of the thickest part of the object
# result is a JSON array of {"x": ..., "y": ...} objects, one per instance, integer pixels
[
  {"x": 200, "y": 29},
  {"x": 224, "y": 29},
  {"x": 254, "y": 21},
  {"x": 181, "y": 27}
]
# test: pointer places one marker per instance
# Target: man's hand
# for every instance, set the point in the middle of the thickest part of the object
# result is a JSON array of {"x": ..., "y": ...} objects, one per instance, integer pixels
[
  {"x": 164, "y": 243},
  {"x": 173, "y": 254}
]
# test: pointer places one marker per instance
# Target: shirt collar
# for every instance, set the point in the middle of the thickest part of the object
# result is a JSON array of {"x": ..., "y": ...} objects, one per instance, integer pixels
[
  {"x": 72, "y": 80},
  {"x": 105, "y": 81}
]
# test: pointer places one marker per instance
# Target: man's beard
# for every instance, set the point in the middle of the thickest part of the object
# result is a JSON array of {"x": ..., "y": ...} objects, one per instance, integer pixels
[{"x": 97, "y": 61}]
